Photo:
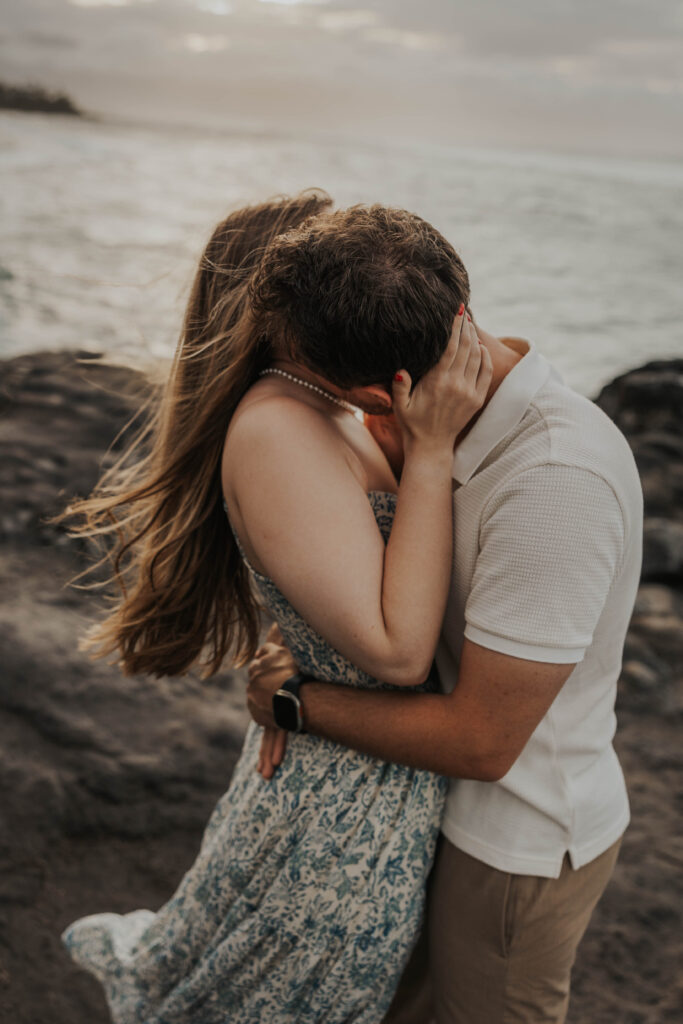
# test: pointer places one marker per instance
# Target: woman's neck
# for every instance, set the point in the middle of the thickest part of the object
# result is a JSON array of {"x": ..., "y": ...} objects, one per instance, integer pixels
[
  {"x": 316, "y": 387},
  {"x": 303, "y": 373}
]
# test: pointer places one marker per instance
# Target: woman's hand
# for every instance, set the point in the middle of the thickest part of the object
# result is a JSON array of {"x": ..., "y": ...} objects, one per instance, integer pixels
[
  {"x": 273, "y": 747},
  {"x": 271, "y": 666},
  {"x": 447, "y": 397}
]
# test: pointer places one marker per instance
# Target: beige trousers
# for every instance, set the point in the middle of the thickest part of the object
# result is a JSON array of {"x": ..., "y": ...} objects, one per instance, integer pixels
[{"x": 497, "y": 948}]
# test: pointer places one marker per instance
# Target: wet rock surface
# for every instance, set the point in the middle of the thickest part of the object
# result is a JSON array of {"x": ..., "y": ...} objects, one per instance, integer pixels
[{"x": 106, "y": 782}]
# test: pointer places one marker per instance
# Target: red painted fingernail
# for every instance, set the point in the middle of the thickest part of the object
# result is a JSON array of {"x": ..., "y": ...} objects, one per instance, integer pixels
[
  {"x": 469, "y": 318},
  {"x": 461, "y": 309},
  {"x": 399, "y": 376}
]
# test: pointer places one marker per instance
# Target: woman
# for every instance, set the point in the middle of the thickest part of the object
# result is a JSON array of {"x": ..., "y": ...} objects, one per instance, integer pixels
[{"x": 306, "y": 896}]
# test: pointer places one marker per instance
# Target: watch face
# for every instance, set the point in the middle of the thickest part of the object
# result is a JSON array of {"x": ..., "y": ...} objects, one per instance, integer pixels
[{"x": 285, "y": 708}]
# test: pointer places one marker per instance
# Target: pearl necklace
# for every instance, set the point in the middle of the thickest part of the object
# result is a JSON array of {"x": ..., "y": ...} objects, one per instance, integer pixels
[{"x": 311, "y": 387}]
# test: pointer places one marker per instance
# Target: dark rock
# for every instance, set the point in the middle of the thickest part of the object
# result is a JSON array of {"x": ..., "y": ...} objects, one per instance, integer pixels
[
  {"x": 654, "y": 599},
  {"x": 643, "y": 982},
  {"x": 662, "y": 549},
  {"x": 647, "y": 405},
  {"x": 22, "y": 882},
  {"x": 637, "y": 648},
  {"x": 659, "y": 458},
  {"x": 128, "y": 769},
  {"x": 106, "y": 782},
  {"x": 647, "y": 399},
  {"x": 60, "y": 415}
]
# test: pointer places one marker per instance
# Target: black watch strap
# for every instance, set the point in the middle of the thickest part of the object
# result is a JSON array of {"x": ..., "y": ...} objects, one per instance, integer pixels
[
  {"x": 293, "y": 684},
  {"x": 287, "y": 706}
]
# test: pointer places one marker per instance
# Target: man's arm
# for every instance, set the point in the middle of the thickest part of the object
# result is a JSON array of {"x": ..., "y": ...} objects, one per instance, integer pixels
[
  {"x": 476, "y": 732},
  {"x": 551, "y": 543}
]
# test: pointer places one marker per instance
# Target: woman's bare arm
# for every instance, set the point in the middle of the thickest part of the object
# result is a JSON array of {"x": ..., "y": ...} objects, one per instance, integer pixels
[{"x": 309, "y": 522}]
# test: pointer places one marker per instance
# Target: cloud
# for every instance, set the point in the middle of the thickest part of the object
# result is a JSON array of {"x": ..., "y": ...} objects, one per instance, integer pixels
[
  {"x": 367, "y": 65},
  {"x": 107, "y": 3},
  {"x": 295, "y": 3},
  {"x": 196, "y": 43},
  {"x": 219, "y": 7},
  {"x": 50, "y": 39},
  {"x": 406, "y": 39},
  {"x": 347, "y": 21}
]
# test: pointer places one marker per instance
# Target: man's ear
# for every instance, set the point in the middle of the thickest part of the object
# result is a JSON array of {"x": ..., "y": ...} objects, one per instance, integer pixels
[{"x": 380, "y": 394}]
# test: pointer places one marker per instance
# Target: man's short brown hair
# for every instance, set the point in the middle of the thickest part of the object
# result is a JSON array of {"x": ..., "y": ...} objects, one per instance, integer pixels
[{"x": 361, "y": 293}]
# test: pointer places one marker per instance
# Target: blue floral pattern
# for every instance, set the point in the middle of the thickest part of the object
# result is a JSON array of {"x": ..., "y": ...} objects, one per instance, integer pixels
[{"x": 306, "y": 897}]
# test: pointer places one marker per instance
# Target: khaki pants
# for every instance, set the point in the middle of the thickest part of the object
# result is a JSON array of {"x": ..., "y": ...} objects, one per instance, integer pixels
[{"x": 500, "y": 946}]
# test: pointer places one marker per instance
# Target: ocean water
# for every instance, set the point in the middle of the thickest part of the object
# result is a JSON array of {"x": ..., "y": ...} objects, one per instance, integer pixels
[{"x": 102, "y": 225}]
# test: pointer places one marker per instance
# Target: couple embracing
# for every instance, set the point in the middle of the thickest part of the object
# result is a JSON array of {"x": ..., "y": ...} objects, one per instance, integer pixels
[{"x": 428, "y": 805}]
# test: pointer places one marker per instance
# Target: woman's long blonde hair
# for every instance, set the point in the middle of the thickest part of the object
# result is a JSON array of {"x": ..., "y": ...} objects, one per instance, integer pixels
[{"x": 184, "y": 595}]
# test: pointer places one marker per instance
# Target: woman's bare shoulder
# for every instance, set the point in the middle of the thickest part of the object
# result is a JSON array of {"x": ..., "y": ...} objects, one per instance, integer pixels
[
  {"x": 277, "y": 419},
  {"x": 294, "y": 453},
  {"x": 273, "y": 430}
]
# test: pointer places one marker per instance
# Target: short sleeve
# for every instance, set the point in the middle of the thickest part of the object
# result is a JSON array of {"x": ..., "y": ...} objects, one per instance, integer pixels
[{"x": 551, "y": 542}]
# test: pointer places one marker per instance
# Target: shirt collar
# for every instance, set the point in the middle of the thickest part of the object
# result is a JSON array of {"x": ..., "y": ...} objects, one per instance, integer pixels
[{"x": 505, "y": 409}]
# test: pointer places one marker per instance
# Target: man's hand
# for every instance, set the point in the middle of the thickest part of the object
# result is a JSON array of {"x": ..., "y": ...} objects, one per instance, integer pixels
[{"x": 271, "y": 667}]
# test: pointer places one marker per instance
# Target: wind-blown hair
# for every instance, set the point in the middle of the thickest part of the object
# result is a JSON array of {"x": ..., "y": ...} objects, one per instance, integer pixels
[
  {"x": 353, "y": 295},
  {"x": 185, "y": 596}
]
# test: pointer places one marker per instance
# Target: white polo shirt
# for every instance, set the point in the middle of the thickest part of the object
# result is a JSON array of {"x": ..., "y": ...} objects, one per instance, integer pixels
[{"x": 547, "y": 557}]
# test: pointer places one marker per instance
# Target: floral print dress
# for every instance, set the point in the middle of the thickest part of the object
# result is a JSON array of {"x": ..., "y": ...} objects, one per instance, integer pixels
[{"x": 306, "y": 896}]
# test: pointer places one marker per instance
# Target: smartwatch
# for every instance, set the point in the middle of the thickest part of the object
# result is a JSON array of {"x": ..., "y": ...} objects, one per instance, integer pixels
[{"x": 287, "y": 707}]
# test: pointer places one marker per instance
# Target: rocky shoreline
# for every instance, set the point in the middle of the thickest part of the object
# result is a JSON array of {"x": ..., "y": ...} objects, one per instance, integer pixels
[{"x": 106, "y": 783}]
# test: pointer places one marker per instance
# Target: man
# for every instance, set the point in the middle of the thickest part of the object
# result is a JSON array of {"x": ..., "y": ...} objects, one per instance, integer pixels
[{"x": 548, "y": 520}]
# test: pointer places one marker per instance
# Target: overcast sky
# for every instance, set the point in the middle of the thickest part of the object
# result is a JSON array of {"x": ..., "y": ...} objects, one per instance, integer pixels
[{"x": 588, "y": 76}]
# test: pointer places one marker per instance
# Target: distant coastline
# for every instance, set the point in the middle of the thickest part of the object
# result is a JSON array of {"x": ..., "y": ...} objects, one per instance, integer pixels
[{"x": 35, "y": 99}]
